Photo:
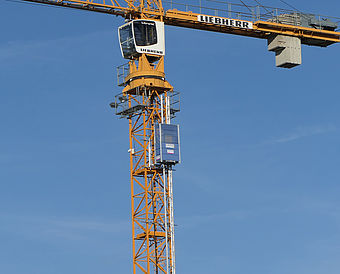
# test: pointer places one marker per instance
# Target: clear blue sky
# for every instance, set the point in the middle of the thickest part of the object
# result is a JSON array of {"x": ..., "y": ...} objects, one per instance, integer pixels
[{"x": 258, "y": 191}]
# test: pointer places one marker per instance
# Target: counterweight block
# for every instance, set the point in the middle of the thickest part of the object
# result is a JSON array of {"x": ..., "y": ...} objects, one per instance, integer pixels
[{"x": 287, "y": 50}]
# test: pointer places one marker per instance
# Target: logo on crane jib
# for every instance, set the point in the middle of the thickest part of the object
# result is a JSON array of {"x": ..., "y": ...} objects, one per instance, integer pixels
[{"x": 225, "y": 21}]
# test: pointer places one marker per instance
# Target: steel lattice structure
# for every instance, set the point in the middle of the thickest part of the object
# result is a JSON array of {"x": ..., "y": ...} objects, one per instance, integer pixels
[{"x": 145, "y": 102}]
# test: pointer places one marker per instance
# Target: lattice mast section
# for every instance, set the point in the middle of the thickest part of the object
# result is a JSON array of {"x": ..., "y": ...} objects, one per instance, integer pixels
[{"x": 145, "y": 102}]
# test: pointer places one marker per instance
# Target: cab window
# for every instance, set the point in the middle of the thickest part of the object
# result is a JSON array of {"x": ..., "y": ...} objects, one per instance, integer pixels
[{"x": 145, "y": 33}]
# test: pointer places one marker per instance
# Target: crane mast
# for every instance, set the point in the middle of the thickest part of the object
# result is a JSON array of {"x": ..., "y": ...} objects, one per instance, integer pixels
[
  {"x": 147, "y": 102},
  {"x": 150, "y": 103}
]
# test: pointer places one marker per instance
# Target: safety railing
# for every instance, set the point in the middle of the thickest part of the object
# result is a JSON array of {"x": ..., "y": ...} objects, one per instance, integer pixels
[
  {"x": 122, "y": 72},
  {"x": 127, "y": 107},
  {"x": 255, "y": 13}
]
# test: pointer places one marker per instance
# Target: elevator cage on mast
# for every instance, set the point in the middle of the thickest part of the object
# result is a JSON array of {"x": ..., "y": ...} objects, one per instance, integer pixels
[{"x": 167, "y": 144}]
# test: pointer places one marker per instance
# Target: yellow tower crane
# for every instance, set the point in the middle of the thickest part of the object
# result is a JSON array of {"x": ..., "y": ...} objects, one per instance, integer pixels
[{"x": 149, "y": 102}]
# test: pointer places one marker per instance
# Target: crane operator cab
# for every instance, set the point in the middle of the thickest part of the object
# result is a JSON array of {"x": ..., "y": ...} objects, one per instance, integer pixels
[{"x": 142, "y": 36}]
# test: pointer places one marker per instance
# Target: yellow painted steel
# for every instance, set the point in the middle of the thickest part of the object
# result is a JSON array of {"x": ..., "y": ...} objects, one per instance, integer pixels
[
  {"x": 146, "y": 74},
  {"x": 149, "y": 225},
  {"x": 261, "y": 29},
  {"x": 153, "y": 9},
  {"x": 145, "y": 84}
]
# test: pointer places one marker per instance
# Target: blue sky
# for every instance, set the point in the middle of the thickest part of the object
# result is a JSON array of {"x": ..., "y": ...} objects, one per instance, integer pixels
[{"x": 258, "y": 189}]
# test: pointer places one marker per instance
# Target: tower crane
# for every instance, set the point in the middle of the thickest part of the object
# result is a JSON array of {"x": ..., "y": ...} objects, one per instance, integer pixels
[{"x": 149, "y": 102}]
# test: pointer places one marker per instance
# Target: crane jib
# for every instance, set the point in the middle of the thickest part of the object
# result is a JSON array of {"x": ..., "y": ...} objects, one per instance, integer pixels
[{"x": 225, "y": 21}]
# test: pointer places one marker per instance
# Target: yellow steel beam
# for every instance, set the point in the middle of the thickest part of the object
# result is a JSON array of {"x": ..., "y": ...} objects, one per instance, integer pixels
[
  {"x": 261, "y": 29},
  {"x": 153, "y": 9}
]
